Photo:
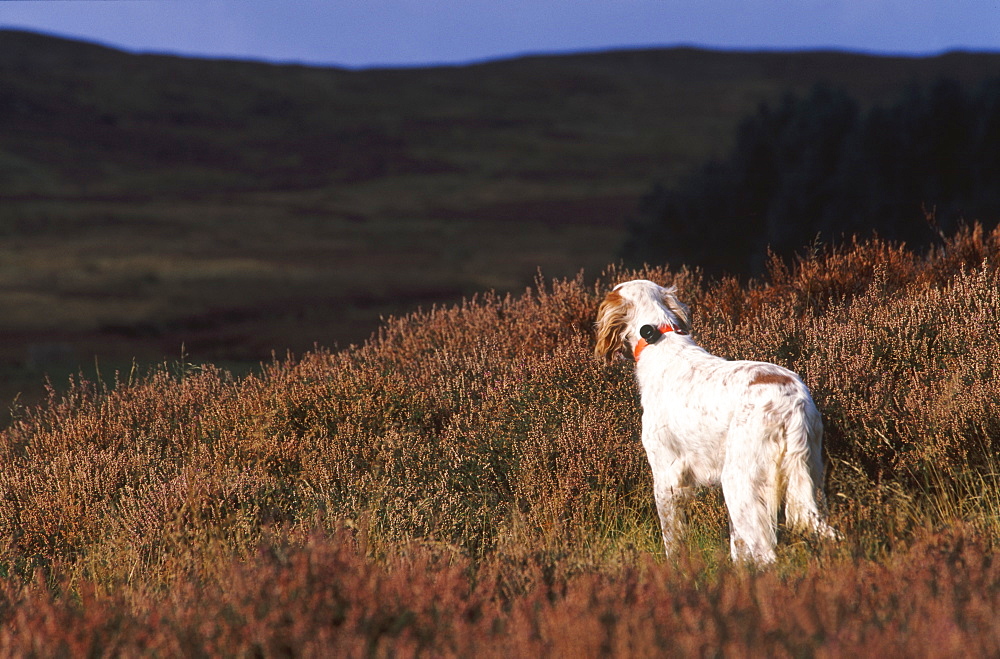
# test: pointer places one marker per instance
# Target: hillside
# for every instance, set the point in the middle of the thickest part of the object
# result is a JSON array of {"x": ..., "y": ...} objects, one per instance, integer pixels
[
  {"x": 238, "y": 208},
  {"x": 472, "y": 482}
]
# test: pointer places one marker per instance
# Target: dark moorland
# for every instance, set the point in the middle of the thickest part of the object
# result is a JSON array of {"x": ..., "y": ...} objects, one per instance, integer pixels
[{"x": 234, "y": 208}]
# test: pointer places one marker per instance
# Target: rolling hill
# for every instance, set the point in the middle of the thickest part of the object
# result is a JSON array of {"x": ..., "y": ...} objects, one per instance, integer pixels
[{"x": 239, "y": 208}]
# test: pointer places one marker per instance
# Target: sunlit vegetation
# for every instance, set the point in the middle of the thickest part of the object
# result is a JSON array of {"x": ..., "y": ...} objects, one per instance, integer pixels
[{"x": 470, "y": 482}]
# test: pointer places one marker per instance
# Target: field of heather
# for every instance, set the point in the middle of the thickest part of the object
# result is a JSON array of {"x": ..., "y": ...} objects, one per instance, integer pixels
[{"x": 470, "y": 482}]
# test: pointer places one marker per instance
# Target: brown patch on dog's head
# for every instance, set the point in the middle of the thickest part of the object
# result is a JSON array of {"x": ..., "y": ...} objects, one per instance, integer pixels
[
  {"x": 611, "y": 325},
  {"x": 678, "y": 308}
]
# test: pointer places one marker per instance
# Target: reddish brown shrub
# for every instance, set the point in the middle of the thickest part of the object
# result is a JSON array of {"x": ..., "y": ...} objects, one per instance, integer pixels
[
  {"x": 495, "y": 469},
  {"x": 326, "y": 598}
]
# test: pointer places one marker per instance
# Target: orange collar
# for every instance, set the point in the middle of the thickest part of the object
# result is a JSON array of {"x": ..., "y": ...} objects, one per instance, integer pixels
[{"x": 643, "y": 344}]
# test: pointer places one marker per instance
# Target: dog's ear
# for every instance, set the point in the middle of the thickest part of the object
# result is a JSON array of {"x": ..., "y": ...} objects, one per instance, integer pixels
[
  {"x": 677, "y": 307},
  {"x": 611, "y": 325}
]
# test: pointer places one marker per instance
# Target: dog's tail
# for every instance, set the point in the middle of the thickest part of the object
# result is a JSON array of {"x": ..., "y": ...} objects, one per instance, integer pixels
[{"x": 802, "y": 469}]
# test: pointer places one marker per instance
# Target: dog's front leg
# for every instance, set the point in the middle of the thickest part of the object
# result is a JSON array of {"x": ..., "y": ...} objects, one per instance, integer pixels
[
  {"x": 670, "y": 482},
  {"x": 669, "y": 495}
]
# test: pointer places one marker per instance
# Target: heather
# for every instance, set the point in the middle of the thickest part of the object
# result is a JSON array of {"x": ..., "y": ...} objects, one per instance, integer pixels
[{"x": 470, "y": 481}]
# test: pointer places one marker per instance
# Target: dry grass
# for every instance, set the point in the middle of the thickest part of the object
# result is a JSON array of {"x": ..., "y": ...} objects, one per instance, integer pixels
[{"x": 470, "y": 481}]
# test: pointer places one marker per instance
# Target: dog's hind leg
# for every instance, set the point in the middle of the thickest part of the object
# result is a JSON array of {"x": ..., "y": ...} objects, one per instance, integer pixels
[
  {"x": 751, "y": 490},
  {"x": 802, "y": 470}
]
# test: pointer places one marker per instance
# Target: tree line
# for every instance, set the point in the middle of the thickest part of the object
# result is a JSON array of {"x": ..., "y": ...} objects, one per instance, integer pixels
[{"x": 819, "y": 168}]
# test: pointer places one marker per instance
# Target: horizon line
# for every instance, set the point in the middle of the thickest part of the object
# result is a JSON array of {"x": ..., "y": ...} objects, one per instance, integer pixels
[{"x": 504, "y": 57}]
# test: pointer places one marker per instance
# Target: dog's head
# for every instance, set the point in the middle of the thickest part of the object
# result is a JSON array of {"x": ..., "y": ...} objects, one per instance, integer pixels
[{"x": 630, "y": 306}]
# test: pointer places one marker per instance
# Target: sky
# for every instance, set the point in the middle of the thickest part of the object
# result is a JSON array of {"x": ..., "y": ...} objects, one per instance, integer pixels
[{"x": 367, "y": 33}]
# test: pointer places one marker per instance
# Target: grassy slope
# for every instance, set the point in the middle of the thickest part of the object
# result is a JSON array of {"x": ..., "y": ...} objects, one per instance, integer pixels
[
  {"x": 240, "y": 208},
  {"x": 472, "y": 481}
]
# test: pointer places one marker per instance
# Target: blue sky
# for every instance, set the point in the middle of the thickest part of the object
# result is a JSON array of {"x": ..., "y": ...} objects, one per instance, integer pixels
[{"x": 359, "y": 33}]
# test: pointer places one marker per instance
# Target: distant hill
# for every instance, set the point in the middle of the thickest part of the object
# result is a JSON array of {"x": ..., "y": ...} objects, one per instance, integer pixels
[
  {"x": 84, "y": 118},
  {"x": 235, "y": 207}
]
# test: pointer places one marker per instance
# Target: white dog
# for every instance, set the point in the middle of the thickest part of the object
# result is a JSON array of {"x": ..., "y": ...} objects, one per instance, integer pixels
[{"x": 750, "y": 426}]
